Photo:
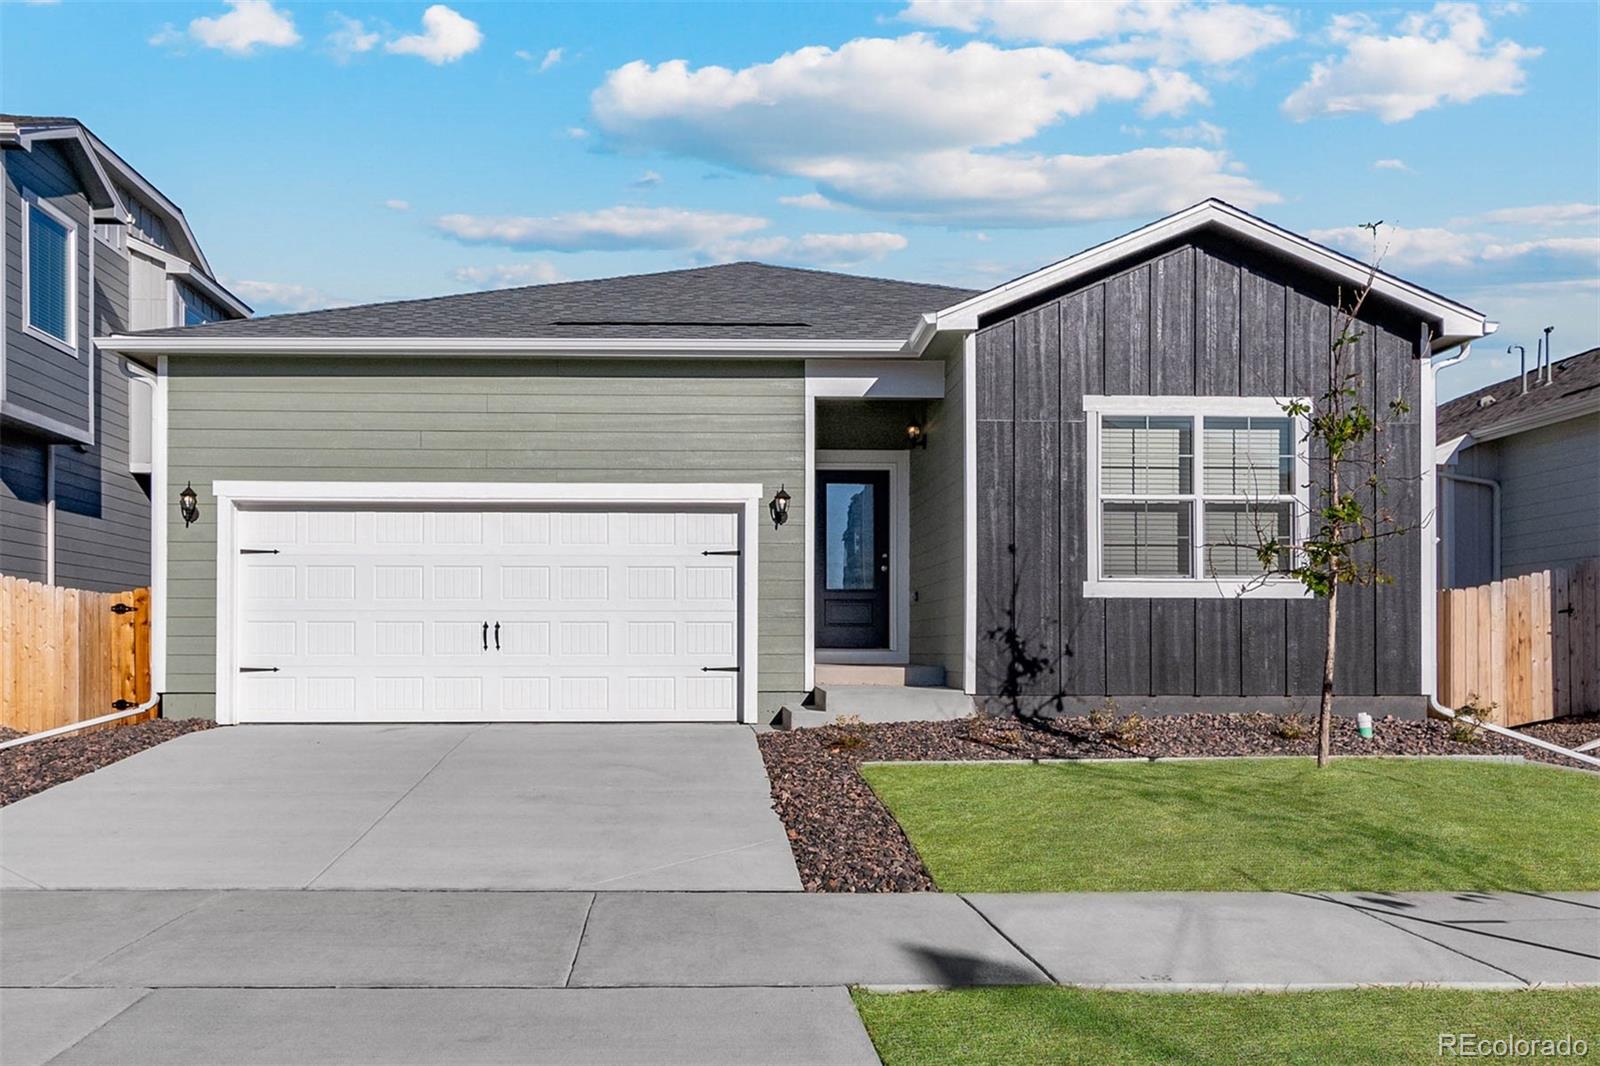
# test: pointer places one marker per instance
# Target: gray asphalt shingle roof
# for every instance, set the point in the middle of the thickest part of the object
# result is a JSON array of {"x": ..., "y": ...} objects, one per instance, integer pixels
[
  {"x": 737, "y": 300},
  {"x": 1571, "y": 378}
]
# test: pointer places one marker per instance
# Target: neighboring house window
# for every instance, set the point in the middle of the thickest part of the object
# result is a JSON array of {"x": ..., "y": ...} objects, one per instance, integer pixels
[
  {"x": 1183, "y": 490},
  {"x": 197, "y": 310},
  {"x": 49, "y": 273}
]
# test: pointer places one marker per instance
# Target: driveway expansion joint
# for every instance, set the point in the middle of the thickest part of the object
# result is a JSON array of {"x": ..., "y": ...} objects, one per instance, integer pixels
[
  {"x": 1018, "y": 948},
  {"x": 577, "y": 946}
]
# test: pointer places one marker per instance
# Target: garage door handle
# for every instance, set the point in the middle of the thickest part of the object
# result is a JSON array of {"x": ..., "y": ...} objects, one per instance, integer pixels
[
  {"x": 497, "y": 636},
  {"x": 258, "y": 669},
  {"x": 486, "y": 636},
  {"x": 719, "y": 669}
]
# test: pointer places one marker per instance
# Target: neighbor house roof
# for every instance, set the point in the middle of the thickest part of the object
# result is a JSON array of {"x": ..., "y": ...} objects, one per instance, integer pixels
[
  {"x": 102, "y": 170},
  {"x": 734, "y": 301},
  {"x": 1501, "y": 409}
]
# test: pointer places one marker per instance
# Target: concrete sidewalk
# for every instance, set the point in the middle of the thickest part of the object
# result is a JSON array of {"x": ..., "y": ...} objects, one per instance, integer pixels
[{"x": 473, "y": 977}]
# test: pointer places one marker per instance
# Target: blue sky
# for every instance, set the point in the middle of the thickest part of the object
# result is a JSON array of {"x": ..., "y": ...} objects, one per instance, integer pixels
[{"x": 350, "y": 152}]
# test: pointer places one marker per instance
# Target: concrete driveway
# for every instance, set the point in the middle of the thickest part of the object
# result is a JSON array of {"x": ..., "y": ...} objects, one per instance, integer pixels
[{"x": 504, "y": 807}]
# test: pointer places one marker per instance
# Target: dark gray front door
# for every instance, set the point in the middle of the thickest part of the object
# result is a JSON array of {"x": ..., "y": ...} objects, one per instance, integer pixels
[{"x": 852, "y": 578}]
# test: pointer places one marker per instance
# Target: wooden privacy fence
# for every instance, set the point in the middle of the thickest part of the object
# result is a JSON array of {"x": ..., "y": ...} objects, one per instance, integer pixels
[
  {"x": 1529, "y": 645},
  {"x": 67, "y": 655}
]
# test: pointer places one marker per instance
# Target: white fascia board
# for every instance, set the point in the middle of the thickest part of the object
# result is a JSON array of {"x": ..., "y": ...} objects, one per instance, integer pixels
[
  {"x": 1545, "y": 416},
  {"x": 1446, "y": 452},
  {"x": 853, "y": 379},
  {"x": 1457, "y": 321},
  {"x": 599, "y": 347}
]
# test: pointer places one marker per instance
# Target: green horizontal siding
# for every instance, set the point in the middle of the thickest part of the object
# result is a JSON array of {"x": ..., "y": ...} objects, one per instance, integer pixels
[{"x": 482, "y": 420}]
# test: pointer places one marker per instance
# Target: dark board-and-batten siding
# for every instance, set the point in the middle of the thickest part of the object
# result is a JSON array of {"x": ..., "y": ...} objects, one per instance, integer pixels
[{"x": 1198, "y": 319}]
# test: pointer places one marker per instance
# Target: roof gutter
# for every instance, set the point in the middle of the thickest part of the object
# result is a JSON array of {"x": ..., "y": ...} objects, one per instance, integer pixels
[{"x": 198, "y": 342}]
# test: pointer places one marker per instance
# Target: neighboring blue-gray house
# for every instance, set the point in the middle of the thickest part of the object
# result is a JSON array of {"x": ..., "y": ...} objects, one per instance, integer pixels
[
  {"x": 90, "y": 248},
  {"x": 707, "y": 494},
  {"x": 1519, "y": 469}
]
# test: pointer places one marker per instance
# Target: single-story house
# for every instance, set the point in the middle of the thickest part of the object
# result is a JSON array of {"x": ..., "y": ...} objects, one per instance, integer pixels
[
  {"x": 1519, "y": 474},
  {"x": 696, "y": 495}
]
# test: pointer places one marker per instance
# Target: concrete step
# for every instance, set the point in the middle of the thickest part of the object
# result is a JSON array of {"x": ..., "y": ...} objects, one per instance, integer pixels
[
  {"x": 900, "y": 676},
  {"x": 886, "y": 703},
  {"x": 801, "y": 718}
]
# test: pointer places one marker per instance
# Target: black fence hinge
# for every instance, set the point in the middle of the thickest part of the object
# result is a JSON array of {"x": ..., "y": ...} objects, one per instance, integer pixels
[
  {"x": 729, "y": 551},
  {"x": 122, "y": 705},
  {"x": 122, "y": 608}
]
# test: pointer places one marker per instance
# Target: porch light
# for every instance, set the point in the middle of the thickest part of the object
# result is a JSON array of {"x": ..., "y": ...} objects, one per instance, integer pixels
[
  {"x": 916, "y": 436},
  {"x": 188, "y": 505},
  {"x": 779, "y": 507}
]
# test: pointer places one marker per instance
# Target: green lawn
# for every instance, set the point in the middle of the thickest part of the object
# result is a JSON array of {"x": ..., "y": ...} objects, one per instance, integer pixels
[
  {"x": 1061, "y": 1026},
  {"x": 1243, "y": 824}
]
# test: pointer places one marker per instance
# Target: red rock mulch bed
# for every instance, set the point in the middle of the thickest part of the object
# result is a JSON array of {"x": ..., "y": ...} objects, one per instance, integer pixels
[
  {"x": 844, "y": 840},
  {"x": 31, "y": 768},
  {"x": 1568, "y": 732}
]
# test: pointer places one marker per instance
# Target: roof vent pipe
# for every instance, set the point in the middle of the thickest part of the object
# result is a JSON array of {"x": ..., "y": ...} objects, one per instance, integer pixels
[
  {"x": 1524, "y": 375},
  {"x": 1549, "y": 375}
]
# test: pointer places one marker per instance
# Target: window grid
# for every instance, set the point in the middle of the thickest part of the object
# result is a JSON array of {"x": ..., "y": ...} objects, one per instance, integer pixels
[{"x": 1198, "y": 505}]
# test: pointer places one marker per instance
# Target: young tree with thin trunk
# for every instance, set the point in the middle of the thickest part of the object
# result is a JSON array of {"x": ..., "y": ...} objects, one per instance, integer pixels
[{"x": 1341, "y": 548}]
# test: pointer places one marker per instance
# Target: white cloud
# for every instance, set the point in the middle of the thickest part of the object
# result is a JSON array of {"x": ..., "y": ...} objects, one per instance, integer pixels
[
  {"x": 1392, "y": 164},
  {"x": 276, "y": 297},
  {"x": 1172, "y": 92},
  {"x": 1545, "y": 215},
  {"x": 649, "y": 179},
  {"x": 1017, "y": 189},
  {"x": 871, "y": 95},
  {"x": 1166, "y": 32},
  {"x": 812, "y": 249},
  {"x": 446, "y": 36},
  {"x": 910, "y": 127},
  {"x": 812, "y": 201},
  {"x": 1437, "y": 247},
  {"x": 247, "y": 25},
  {"x": 1442, "y": 56},
  {"x": 351, "y": 38},
  {"x": 551, "y": 58},
  {"x": 1197, "y": 133},
  {"x": 397, "y": 205},
  {"x": 577, "y": 133},
  {"x": 508, "y": 275},
  {"x": 609, "y": 229}
]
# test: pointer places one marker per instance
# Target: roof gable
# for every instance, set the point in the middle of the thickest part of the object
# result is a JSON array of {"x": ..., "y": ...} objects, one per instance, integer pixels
[{"x": 1455, "y": 322}]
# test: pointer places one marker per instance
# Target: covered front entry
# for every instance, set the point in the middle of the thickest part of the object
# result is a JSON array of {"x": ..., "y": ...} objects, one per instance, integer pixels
[{"x": 367, "y": 612}]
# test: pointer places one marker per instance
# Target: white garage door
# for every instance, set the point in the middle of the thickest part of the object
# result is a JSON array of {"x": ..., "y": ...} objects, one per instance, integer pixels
[{"x": 487, "y": 615}]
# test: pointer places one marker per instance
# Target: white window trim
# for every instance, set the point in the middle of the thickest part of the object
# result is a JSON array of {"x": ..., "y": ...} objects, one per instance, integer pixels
[
  {"x": 1199, "y": 587},
  {"x": 31, "y": 202},
  {"x": 746, "y": 500}
]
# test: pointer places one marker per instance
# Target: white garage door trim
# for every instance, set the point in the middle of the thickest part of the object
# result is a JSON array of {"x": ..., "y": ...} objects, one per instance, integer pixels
[{"x": 231, "y": 496}]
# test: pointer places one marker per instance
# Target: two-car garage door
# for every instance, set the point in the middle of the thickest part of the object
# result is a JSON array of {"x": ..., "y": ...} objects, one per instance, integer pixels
[{"x": 513, "y": 614}]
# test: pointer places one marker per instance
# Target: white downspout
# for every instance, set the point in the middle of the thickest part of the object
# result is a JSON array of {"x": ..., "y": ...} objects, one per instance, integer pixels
[
  {"x": 1430, "y": 569},
  {"x": 49, "y": 514}
]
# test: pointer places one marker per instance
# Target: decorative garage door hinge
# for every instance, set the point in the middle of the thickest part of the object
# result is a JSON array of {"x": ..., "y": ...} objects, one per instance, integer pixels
[
  {"x": 258, "y": 669},
  {"x": 730, "y": 551},
  {"x": 719, "y": 669},
  {"x": 258, "y": 551}
]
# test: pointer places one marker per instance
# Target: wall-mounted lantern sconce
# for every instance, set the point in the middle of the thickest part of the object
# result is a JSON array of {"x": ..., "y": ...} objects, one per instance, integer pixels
[
  {"x": 779, "y": 507},
  {"x": 916, "y": 436},
  {"x": 188, "y": 505}
]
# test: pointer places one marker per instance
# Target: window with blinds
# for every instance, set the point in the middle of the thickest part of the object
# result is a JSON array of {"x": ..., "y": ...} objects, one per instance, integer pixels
[
  {"x": 49, "y": 279},
  {"x": 1193, "y": 496}
]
